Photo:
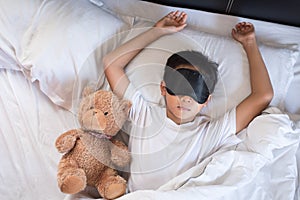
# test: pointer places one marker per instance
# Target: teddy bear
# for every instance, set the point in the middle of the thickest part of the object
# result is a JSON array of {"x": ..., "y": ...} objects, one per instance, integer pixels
[{"x": 93, "y": 157}]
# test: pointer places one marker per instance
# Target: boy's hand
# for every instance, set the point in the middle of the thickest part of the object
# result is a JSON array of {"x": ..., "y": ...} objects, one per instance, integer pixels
[
  {"x": 244, "y": 33},
  {"x": 172, "y": 23}
]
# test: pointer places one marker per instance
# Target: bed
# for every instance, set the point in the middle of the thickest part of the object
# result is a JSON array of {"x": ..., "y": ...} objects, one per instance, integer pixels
[{"x": 50, "y": 50}]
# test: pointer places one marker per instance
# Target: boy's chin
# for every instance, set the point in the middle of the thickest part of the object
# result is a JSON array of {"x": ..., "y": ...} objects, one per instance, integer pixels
[{"x": 186, "y": 119}]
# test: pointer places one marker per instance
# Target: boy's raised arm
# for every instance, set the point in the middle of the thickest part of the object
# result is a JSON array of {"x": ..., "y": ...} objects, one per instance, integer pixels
[
  {"x": 261, "y": 88},
  {"x": 116, "y": 61}
]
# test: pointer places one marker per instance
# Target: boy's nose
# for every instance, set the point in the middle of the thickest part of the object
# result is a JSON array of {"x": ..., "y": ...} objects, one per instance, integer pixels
[{"x": 186, "y": 99}]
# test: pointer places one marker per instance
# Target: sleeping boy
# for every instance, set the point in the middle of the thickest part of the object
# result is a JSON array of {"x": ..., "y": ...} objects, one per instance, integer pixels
[{"x": 166, "y": 141}]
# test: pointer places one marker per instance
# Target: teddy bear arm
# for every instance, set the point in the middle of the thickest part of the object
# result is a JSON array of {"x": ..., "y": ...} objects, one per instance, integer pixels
[
  {"x": 120, "y": 155},
  {"x": 66, "y": 141}
]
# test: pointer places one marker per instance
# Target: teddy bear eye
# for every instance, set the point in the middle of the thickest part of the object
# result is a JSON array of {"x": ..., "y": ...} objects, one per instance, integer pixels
[
  {"x": 92, "y": 107},
  {"x": 106, "y": 113}
]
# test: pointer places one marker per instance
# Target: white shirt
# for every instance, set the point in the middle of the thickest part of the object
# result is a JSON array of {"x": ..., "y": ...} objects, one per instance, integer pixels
[{"x": 161, "y": 149}]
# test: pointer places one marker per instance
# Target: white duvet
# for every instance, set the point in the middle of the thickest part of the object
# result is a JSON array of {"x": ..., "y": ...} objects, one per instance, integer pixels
[{"x": 262, "y": 167}]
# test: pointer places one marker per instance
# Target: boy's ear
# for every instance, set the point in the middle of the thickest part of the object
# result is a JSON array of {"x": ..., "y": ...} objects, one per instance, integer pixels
[{"x": 163, "y": 88}]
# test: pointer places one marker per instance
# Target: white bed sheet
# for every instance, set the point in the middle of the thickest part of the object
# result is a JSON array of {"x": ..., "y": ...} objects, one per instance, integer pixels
[{"x": 30, "y": 122}]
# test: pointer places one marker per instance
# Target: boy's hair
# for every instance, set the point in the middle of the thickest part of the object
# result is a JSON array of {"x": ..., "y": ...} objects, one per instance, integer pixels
[{"x": 207, "y": 69}]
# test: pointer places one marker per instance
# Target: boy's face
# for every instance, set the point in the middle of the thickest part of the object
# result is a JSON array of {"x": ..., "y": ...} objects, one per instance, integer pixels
[{"x": 180, "y": 109}]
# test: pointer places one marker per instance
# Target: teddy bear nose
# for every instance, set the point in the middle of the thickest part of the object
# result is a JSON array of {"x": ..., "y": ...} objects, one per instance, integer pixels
[{"x": 94, "y": 120}]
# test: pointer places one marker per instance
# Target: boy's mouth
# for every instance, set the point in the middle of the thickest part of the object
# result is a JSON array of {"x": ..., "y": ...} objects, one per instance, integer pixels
[{"x": 183, "y": 108}]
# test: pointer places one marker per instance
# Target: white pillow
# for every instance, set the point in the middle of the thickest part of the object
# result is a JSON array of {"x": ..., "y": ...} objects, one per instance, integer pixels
[
  {"x": 146, "y": 70},
  {"x": 65, "y": 44},
  {"x": 15, "y": 18}
]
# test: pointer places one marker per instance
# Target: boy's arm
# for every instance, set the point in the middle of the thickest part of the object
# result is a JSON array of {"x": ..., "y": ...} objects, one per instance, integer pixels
[
  {"x": 116, "y": 61},
  {"x": 261, "y": 88}
]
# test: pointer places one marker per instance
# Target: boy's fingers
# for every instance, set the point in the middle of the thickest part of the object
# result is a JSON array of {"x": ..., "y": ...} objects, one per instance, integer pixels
[
  {"x": 176, "y": 14},
  {"x": 178, "y": 17},
  {"x": 183, "y": 19},
  {"x": 243, "y": 25},
  {"x": 233, "y": 32},
  {"x": 182, "y": 14},
  {"x": 170, "y": 14}
]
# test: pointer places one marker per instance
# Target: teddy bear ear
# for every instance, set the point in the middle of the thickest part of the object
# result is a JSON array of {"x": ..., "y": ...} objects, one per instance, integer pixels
[
  {"x": 87, "y": 91},
  {"x": 126, "y": 105}
]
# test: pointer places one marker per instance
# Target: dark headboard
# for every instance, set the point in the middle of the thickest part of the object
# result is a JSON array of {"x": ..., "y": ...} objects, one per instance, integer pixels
[{"x": 284, "y": 12}]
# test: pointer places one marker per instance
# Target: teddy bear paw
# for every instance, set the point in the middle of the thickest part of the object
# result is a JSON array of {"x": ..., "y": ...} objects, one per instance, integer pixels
[
  {"x": 73, "y": 183},
  {"x": 115, "y": 190}
]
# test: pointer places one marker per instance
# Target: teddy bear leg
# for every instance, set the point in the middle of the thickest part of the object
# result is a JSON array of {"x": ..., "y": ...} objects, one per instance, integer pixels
[
  {"x": 111, "y": 185},
  {"x": 71, "y": 179}
]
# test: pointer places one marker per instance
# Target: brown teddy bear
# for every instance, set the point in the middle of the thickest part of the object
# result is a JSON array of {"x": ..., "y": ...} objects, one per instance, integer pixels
[{"x": 92, "y": 156}]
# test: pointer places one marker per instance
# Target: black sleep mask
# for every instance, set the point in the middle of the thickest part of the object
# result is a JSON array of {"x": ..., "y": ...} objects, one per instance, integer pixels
[{"x": 186, "y": 82}]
